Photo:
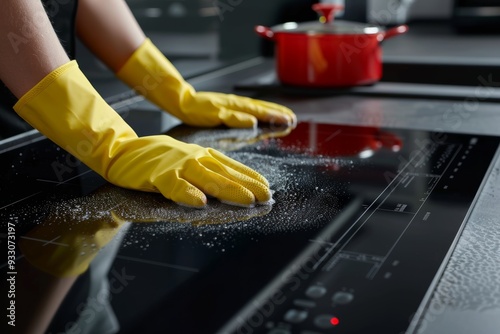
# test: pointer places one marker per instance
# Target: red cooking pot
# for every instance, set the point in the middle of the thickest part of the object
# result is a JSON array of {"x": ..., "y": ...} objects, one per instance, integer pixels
[{"x": 329, "y": 54}]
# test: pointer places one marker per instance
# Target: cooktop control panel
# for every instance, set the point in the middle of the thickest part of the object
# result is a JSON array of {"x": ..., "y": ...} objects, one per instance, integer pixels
[{"x": 372, "y": 269}]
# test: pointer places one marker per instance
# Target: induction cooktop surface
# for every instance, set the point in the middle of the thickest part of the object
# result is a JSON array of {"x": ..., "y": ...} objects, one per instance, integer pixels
[{"x": 362, "y": 224}]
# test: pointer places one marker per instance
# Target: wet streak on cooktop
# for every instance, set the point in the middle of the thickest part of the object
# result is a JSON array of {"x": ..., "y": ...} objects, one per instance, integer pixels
[{"x": 402, "y": 197}]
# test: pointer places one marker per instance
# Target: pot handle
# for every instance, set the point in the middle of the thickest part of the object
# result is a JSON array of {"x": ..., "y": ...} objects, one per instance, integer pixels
[
  {"x": 397, "y": 30},
  {"x": 265, "y": 32}
]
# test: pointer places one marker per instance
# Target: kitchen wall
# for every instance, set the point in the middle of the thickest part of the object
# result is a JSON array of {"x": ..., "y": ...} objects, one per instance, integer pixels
[
  {"x": 237, "y": 36},
  {"x": 233, "y": 21},
  {"x": 433, "y": 9},
  {"x": 238, "y": 20}
]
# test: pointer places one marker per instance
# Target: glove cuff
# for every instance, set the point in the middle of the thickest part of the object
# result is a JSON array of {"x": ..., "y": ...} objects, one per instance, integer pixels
[
  {"x": 43, "y": 84},
  {"x": 152, "y": 75},
  {"x": 65, "y": 107}
]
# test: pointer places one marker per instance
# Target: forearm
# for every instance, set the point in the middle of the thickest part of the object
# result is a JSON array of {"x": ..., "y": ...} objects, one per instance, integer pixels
[
  {"x": 109, "y": 30},
  {"x": 29, "y": 47}
]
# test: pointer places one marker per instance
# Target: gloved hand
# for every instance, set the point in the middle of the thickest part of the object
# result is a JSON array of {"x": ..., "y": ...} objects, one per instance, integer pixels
[
  {"x": 66, "y": 108},
  {"x": 150, "y": 73}
]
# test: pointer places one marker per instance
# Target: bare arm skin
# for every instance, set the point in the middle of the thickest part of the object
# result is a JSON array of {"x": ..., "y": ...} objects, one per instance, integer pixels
[
  {"x": 29, "y": 47},
  {"x": 109, "y": 30}
]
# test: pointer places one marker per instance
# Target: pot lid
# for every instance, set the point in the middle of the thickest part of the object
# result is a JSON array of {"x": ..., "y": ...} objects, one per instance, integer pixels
[
  {"x": 327, "y": 25},
  {"x": 337, "y": 27}
]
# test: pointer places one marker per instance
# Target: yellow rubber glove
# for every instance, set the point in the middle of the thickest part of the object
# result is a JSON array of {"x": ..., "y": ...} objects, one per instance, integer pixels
[
  {"x": 150, "y": 73},
  {"x": 66, "y": 108}
]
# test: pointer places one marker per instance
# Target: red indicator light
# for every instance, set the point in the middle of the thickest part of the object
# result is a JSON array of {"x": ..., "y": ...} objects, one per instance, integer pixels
[{"x": 334, "y": 321}]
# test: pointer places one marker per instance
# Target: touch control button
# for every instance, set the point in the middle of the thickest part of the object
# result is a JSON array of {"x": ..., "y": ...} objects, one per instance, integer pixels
[
  {"x": 324, "y": 321},
  {"x": 279, "y": 331},
  {"x": 315, "y": 291},
  {"x": 304, "y": 303},
  {"x": 295, "y": 316},
  {"x": 342, "y": 297}
]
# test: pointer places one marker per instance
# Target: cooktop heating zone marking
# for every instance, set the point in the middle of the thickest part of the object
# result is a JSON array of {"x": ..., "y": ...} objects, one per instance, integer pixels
[{"x": 408, "y": 174}]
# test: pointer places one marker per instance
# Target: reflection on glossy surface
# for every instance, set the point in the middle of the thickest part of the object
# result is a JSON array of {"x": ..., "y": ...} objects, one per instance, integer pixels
[
  {"x": 342, "y": 140},
  {"x": 111, "y": 205},
  {"x": 64, "y": 245},
  {"x": 75, "y": 231},
  {"x": 226, "y": 139}
]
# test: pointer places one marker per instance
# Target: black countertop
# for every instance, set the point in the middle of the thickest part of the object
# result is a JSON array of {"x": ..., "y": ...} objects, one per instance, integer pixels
[{"x": 154, "y": 264}]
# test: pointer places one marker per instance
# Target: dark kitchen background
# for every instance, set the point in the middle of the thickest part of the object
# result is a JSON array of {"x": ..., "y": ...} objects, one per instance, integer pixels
[
  {"x": 450, "y": 42},
  {"x": 201, "y": 35}
]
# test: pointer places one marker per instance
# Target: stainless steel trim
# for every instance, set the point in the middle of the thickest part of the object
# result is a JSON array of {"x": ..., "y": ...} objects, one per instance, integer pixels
[
  {"x": 478, "y": 11},
  {"x": 20, "y": 140},
  {"x": 423, "y": 308},
  {"x": 125, "y": 99}
]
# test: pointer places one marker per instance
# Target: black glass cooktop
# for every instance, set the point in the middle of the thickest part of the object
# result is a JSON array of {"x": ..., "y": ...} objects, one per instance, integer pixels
[{"x": 363, "y": 222}]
